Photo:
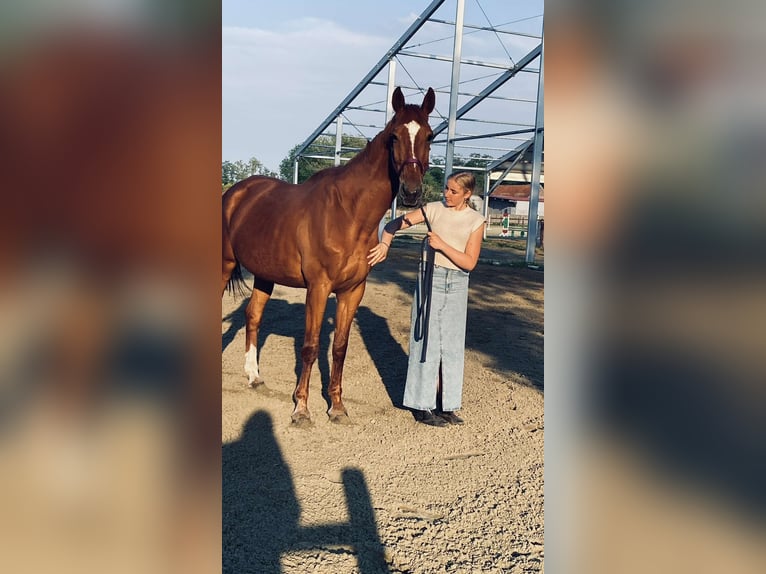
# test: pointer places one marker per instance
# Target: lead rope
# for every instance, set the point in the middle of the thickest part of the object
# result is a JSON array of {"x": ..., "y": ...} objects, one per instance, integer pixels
[{"x": 425, "y": 284}]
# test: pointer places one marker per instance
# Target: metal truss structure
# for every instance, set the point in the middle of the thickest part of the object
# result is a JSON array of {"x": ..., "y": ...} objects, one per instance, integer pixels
[{"x": 493, "y": 75}]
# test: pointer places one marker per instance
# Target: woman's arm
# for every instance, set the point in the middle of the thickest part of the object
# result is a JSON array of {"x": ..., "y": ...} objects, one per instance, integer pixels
[
  {"x": 380, "y": 251},
  {"x": 467, "y": 259}
]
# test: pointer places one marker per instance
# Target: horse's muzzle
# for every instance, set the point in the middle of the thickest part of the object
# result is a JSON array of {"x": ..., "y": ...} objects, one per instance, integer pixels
[{"x": 410, "y": 198}]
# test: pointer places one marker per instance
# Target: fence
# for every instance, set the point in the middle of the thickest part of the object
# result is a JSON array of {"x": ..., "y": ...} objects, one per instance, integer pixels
[{"x": 517, "y": 225}]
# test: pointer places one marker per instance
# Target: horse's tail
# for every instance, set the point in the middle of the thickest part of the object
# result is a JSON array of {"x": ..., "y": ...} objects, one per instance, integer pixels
[{"x": 236, "y": 284}]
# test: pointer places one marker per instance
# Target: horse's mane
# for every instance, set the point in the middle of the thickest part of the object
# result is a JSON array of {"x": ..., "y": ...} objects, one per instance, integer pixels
[
  {"x": 380, "y": 139},
  {"x": 360, "y": 157}
]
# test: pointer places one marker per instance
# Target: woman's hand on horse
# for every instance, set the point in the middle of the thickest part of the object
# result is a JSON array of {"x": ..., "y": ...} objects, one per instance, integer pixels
[{"x": 377, "y": 254}]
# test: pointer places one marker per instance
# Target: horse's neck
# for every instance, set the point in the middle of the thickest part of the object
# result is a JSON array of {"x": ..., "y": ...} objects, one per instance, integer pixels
[
  {"x": 373, "y": 160},
  {"x": 371, "y": 192}
]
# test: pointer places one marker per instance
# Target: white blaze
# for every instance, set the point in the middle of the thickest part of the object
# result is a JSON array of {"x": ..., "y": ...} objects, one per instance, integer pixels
[{"x": 413, "y": 127}]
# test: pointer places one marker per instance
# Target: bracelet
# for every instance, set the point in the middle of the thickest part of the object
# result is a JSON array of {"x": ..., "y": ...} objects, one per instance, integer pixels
[{"x": 386, "y": 244}]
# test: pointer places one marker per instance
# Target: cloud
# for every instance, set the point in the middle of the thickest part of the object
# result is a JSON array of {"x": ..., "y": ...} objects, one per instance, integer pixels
[
  {"x": 408, "y": 19},
  {"x": 278, "y": 85}
]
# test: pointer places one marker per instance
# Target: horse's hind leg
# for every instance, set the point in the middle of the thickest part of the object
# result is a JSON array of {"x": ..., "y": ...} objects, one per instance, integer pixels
[
  {"x": 348, "y": 302},
  {"x": 254, "y": 313},
  {"x": 316, "y": 302}
]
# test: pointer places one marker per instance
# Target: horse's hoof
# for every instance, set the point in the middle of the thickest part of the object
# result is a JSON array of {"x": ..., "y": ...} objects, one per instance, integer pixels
[
  {"x": 301, "y": 420},
  {"x": 340, "y": 418},
  {"x": 256, "y": 383}
]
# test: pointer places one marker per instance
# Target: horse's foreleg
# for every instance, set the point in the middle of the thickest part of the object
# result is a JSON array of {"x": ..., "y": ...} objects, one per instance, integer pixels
[
  {"x": 348, "y": 302},
  {"x": 316, "y": 301},
  {"x": 254, "y": 313}
]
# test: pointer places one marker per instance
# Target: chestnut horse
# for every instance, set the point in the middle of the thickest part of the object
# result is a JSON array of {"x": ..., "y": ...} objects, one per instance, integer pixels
[{"x": 317, "y": 234}]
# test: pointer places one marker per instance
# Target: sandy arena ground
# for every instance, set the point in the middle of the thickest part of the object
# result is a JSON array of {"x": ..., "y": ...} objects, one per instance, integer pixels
[{"x": 385, "y": 494}]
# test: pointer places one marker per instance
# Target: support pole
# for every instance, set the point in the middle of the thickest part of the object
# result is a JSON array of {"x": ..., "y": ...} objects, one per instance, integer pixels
[
  {"x": 416, "y": 25},
  {"x": 338, "y": 138},
  {"x": 454, "y": 85},
  {"x": 390, "y": 113},
  {"x": 537, "y": 155},
  {"x": 486, "y": 201}
]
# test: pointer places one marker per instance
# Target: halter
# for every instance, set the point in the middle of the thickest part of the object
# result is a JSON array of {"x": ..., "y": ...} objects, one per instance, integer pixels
[
  {"x": 412, "y": 159},
  {"x": 416, "y": 161}
]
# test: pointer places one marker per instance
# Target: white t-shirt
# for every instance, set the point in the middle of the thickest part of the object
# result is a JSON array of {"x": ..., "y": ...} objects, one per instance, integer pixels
[{"x": 454, "y": 227}]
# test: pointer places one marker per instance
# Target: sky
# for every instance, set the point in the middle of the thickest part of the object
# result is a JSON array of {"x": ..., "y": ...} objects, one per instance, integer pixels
[{"x": 288, "y": 64}]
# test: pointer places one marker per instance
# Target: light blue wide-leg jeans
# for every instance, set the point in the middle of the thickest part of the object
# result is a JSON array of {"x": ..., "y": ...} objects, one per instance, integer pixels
[{"x": 446, "y": 344}]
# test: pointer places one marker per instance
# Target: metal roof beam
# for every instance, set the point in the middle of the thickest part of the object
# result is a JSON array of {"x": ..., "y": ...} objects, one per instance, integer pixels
[
  {"x": 501, "y": 179},
  {"x": 487, "y": 29},
  {"x": 462, "y": 61},
  {"x": 416, "y": 25},
  {"x": 493, "y": 86},
  {"x": 364, "y": 109},
  {"x": 496, "y": 134},
  {"x": 488, "y": 97},
  {"x": 441, "y": 91},
  {"x": 463, "y": 148},
  {"x": 495, "y": 123},
  {"x": 520, "y": 150}
]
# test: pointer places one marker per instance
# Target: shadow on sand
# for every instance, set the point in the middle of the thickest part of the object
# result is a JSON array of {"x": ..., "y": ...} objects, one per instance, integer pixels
[
  {"x": 286, "y": 319},
  {"x": 261, "y": 511}
]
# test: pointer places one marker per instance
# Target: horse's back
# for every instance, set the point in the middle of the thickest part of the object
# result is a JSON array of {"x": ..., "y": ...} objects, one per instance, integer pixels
[{"x": 255, "y": 189}]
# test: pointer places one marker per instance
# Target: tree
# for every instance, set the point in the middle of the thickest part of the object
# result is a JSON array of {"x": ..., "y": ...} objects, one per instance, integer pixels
[
  {"x": 433, "y": 180},
  {"x": 307, "y": 166},
  {"x": 232, "y": 172},
  {"x": 228, "y": 174},
  {"x": 323, "y": 145},
  {"x": 474, "y": 160},
  {"x": 477, "y": 160}
]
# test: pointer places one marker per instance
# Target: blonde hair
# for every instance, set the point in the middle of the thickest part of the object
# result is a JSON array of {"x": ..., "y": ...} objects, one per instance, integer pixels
[
  {"x": 464, "y": 179},
  {"x": 467, "y": 181}
]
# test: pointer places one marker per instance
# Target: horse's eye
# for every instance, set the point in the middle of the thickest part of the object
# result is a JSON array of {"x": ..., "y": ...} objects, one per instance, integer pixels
[{"x": 394, "y": 138}]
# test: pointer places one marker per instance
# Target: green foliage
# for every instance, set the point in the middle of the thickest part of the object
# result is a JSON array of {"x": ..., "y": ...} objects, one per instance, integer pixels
[
  {"x": 433, "y": 181},
  {"x": 323, "y": 145},
  {"x": 232, "y": 172},
  {"x": 432, "y": 184},
  {"x": 228, "y": 173},
  {"x": 476, "y": 160},
  {"x": 307, "y": 166},
  {"x": 473, "y": 160}
]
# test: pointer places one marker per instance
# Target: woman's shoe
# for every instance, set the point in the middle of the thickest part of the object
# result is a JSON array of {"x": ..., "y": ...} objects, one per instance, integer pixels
[
  {"x": 429, "y": 418},
  {"x": 451, "y": 418}
]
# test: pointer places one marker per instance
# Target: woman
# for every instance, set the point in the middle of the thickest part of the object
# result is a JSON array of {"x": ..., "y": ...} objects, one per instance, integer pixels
[{"x": 434, "y": 386}]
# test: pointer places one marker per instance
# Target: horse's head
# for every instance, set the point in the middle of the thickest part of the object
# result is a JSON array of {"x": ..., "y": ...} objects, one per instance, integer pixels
[{"x": 410, "y": 144}]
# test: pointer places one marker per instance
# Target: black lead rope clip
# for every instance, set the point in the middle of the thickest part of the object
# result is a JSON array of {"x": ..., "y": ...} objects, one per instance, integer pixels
[{"x": 426, "y": 281}]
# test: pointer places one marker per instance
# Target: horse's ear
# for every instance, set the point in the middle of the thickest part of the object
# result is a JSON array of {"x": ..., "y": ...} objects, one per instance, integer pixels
[
  {"x": 397, "y": 100},
  {"x": 429, "y": 101}
]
